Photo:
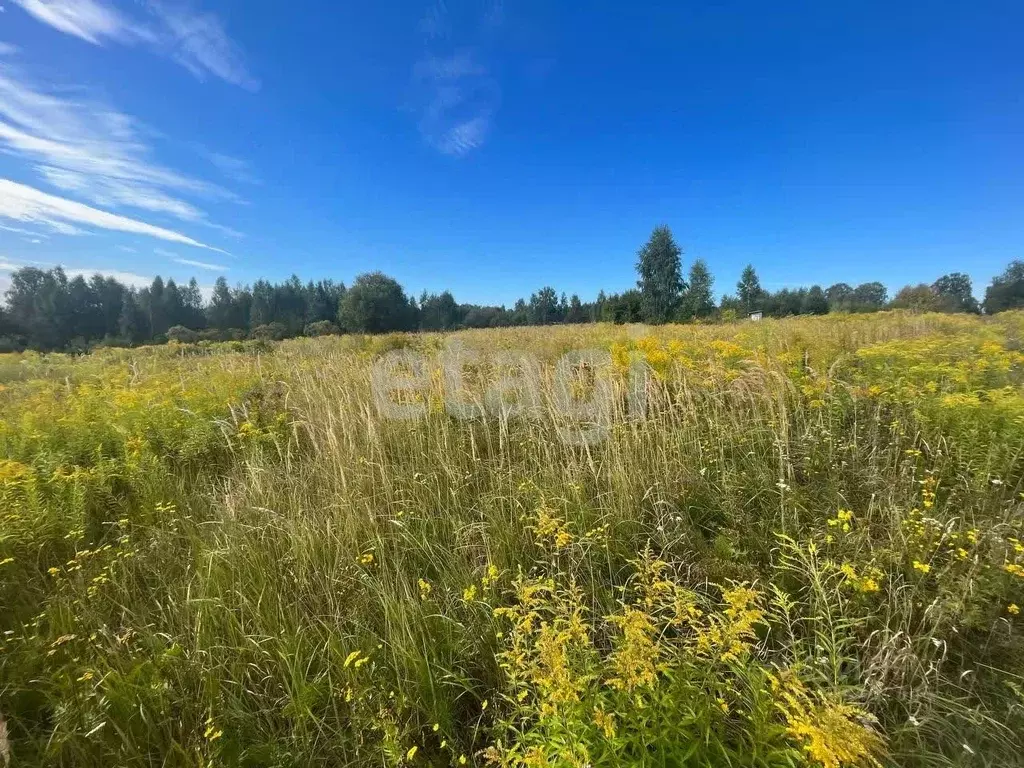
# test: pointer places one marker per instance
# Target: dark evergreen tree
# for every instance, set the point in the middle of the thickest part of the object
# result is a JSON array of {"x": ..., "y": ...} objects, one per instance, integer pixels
[
  {"x": 749, "y": 290},
  {"x": 438, "y": 312},
  {"x": 661, "y": 283},
  {"x": 133, "y": 326},
  {"x": 575, "y": 312},
  {"x": 699, "y": 301}
]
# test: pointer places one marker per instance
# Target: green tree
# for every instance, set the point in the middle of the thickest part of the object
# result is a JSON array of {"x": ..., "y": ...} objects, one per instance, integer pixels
[
  {"x": 869, "y": 297},
  {"x": 438, "y": 311},
  {"x": 916, "y": 298},
  {"x": 263, "y": 310},
  {"x": 749, "y": 290},
  {"x": 38, "y": 305},
  {"x": 598, "y": 307},
  {"x": 543, "y": 308},
  {"x": 1006, "y": 290},
  {"x": 626, "y": 307},
  {"x": 375, "y": 303},
  {"x": 954, "y": 293},
  {"x": 322, "y": 300},
  {"x": 575, "y": 313},
  {"x": 132, "y": 324},
  {"x": 839, "y": 297},
  {"x": 815, "y": 302},
  {"x": 222, "y": 305},
  {"x": 699, "y": 301},
  {"x": 661, "y": 281}
]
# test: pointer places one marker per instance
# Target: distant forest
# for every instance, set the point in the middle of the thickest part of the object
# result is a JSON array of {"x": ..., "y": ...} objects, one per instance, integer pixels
[{"x": 47, "y": 311}]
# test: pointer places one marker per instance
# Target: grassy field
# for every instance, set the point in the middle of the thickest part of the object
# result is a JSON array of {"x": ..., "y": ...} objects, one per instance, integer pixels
[{"x": 807, "y": 551}]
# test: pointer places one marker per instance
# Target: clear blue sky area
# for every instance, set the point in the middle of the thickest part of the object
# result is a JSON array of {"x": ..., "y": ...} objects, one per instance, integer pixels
[{"x": 495, "y": 147}]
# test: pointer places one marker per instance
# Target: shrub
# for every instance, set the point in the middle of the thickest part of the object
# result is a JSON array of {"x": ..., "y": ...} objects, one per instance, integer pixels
[
  {"x": 321, "y": 328},
  {"x": 182, "y": 335},
  {"x": 270, "y": 332}
]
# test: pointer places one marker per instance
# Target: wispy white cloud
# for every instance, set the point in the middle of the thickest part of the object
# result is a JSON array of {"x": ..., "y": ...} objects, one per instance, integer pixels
[
  {"x": 201, "y": 265},
  {"x": 88, "y": 19},
  {"x": 22, "y": 203},
  {"x": 199, "y": 42},
  {"x": 8, "y": 265},
  {"x": 20, "y": 231},
  {"x": 458, "y": 101},
  {"x": 6, "y": 49},
  {"x": 196, "y": 40},
  {"x": 228, "y": 231},
  {"x": 92, "y": 151},
  {"x": 126, "y": 278},
  {"x": 113, "y": 192},
  {"x": 233, "y": 167},
  {"x": 455, "y": 93}
]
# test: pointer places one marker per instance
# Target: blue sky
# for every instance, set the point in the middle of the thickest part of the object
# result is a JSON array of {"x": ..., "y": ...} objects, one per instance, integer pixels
[{"x": 493, "y": 147}]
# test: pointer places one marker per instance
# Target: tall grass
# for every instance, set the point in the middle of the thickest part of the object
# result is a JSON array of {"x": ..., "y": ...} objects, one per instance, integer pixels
[{"x": 805, "y": 552}]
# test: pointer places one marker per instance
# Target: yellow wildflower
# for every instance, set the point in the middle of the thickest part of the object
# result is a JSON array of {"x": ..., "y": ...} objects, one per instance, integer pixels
[
  {"x": 425, "y": 589},
  {"x": 490, "y": 577},
  {"x": 604, "y": 721},
  {"x": 635, "y": 657},
  {"x": 833, "y": 733}
]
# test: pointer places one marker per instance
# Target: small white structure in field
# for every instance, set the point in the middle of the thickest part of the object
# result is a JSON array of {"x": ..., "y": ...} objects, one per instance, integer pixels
[{"x": 756, "y": 315}]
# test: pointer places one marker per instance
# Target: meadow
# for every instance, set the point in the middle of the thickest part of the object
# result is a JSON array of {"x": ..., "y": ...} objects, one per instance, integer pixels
[{"x": 806, "y": 552}]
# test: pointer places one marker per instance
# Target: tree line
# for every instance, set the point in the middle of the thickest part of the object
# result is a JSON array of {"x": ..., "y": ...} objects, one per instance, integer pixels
[{"x": 46, "y": 310}]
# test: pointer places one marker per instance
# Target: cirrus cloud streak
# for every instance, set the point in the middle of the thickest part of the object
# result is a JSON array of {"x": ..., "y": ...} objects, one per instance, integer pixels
[
  {"x": 196, "y": 40},
  {"x": 19, "y": 202}
]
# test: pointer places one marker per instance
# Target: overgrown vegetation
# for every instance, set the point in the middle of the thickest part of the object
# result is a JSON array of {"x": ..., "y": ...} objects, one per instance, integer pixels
[{"x": 807, "y": 552}]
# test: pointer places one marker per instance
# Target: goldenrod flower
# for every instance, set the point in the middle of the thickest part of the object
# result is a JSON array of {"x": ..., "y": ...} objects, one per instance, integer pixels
[
  {"x": 604, "y": 721},
  {"x": 425, "y": 589}
]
